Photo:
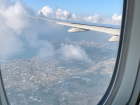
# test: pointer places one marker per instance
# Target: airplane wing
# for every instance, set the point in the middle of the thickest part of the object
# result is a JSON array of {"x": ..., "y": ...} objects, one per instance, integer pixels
[{"x": 77, "y": 27}]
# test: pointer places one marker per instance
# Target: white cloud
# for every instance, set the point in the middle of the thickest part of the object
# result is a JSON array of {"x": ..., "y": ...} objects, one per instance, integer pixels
[
  {"x": 46, "y": 51},
  {"x": 63, "y": 14},
  {"x": 116, "y": 17},
  {"x": 18, "y": 32},
  {"x": 73, "y": 52},
  {"x": 14, "y": 24},
  {"x": 9, "y": 45},
  {"x": 50, "y": 13},
  {"x": 11, "y": 25},
  {"x": 12, "y": 16}
]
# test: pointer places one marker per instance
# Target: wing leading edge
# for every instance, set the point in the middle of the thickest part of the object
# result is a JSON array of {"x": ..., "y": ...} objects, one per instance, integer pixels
[{"x": 77, "y": 27}]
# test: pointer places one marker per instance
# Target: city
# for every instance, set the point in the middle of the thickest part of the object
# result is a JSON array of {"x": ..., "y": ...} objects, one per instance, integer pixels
[{"x": 37, "y": 81}]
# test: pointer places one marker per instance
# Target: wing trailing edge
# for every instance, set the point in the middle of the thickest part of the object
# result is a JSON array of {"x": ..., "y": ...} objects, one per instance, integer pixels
[{"x": 115, "y": 38}]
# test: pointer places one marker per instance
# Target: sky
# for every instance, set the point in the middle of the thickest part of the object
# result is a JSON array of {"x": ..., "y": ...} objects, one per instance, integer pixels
[
  {"x": 24, "y": 37},
  {"x": 105, "y": 8}
]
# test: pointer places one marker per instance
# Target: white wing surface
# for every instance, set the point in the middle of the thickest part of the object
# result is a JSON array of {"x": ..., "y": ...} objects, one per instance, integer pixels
[{"x": 77, "y": 27}]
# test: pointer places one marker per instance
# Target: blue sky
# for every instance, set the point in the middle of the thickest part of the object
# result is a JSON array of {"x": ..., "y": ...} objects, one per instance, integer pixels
[{"x": 105, "y": 8}]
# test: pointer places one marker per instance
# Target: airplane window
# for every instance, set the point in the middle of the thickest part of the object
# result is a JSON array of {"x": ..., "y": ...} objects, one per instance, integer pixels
[{"x": 58, "y": 62}]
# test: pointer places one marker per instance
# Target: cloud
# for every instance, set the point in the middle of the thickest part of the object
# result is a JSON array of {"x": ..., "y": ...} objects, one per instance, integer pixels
[
  {"x": 50, "y": 13},
  {"x": 12, "y": 16},
  {"x": 14, "y": 28},
  {"x": 9, "y": 45},
  {"x": 46, "y": 51},
  {"x": 73, "y": 52},
  {"x": 11, "y": 25},
  {"x": 67, "y": 52},
  {"x": 63, "y": 14},
  {"x": 21, "y": 35}
]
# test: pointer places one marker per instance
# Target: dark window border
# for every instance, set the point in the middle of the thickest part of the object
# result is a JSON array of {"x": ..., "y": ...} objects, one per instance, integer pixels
[
  {"x": 108, "y": 91},
  {"x": 104, "y": 98},
  {"x": 4, "y": 92}
]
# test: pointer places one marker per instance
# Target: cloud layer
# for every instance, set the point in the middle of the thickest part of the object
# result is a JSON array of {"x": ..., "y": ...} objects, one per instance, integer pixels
[
  {"x": 63, "y": 14},
  {"x": 20, "y": 35},
  {"x": 11, "y": 24},
  {"x": 73, "y": 52}
]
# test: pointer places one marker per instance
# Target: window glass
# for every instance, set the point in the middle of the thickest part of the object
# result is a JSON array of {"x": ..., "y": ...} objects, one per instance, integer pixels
[{"x": 44, "y": 64}]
